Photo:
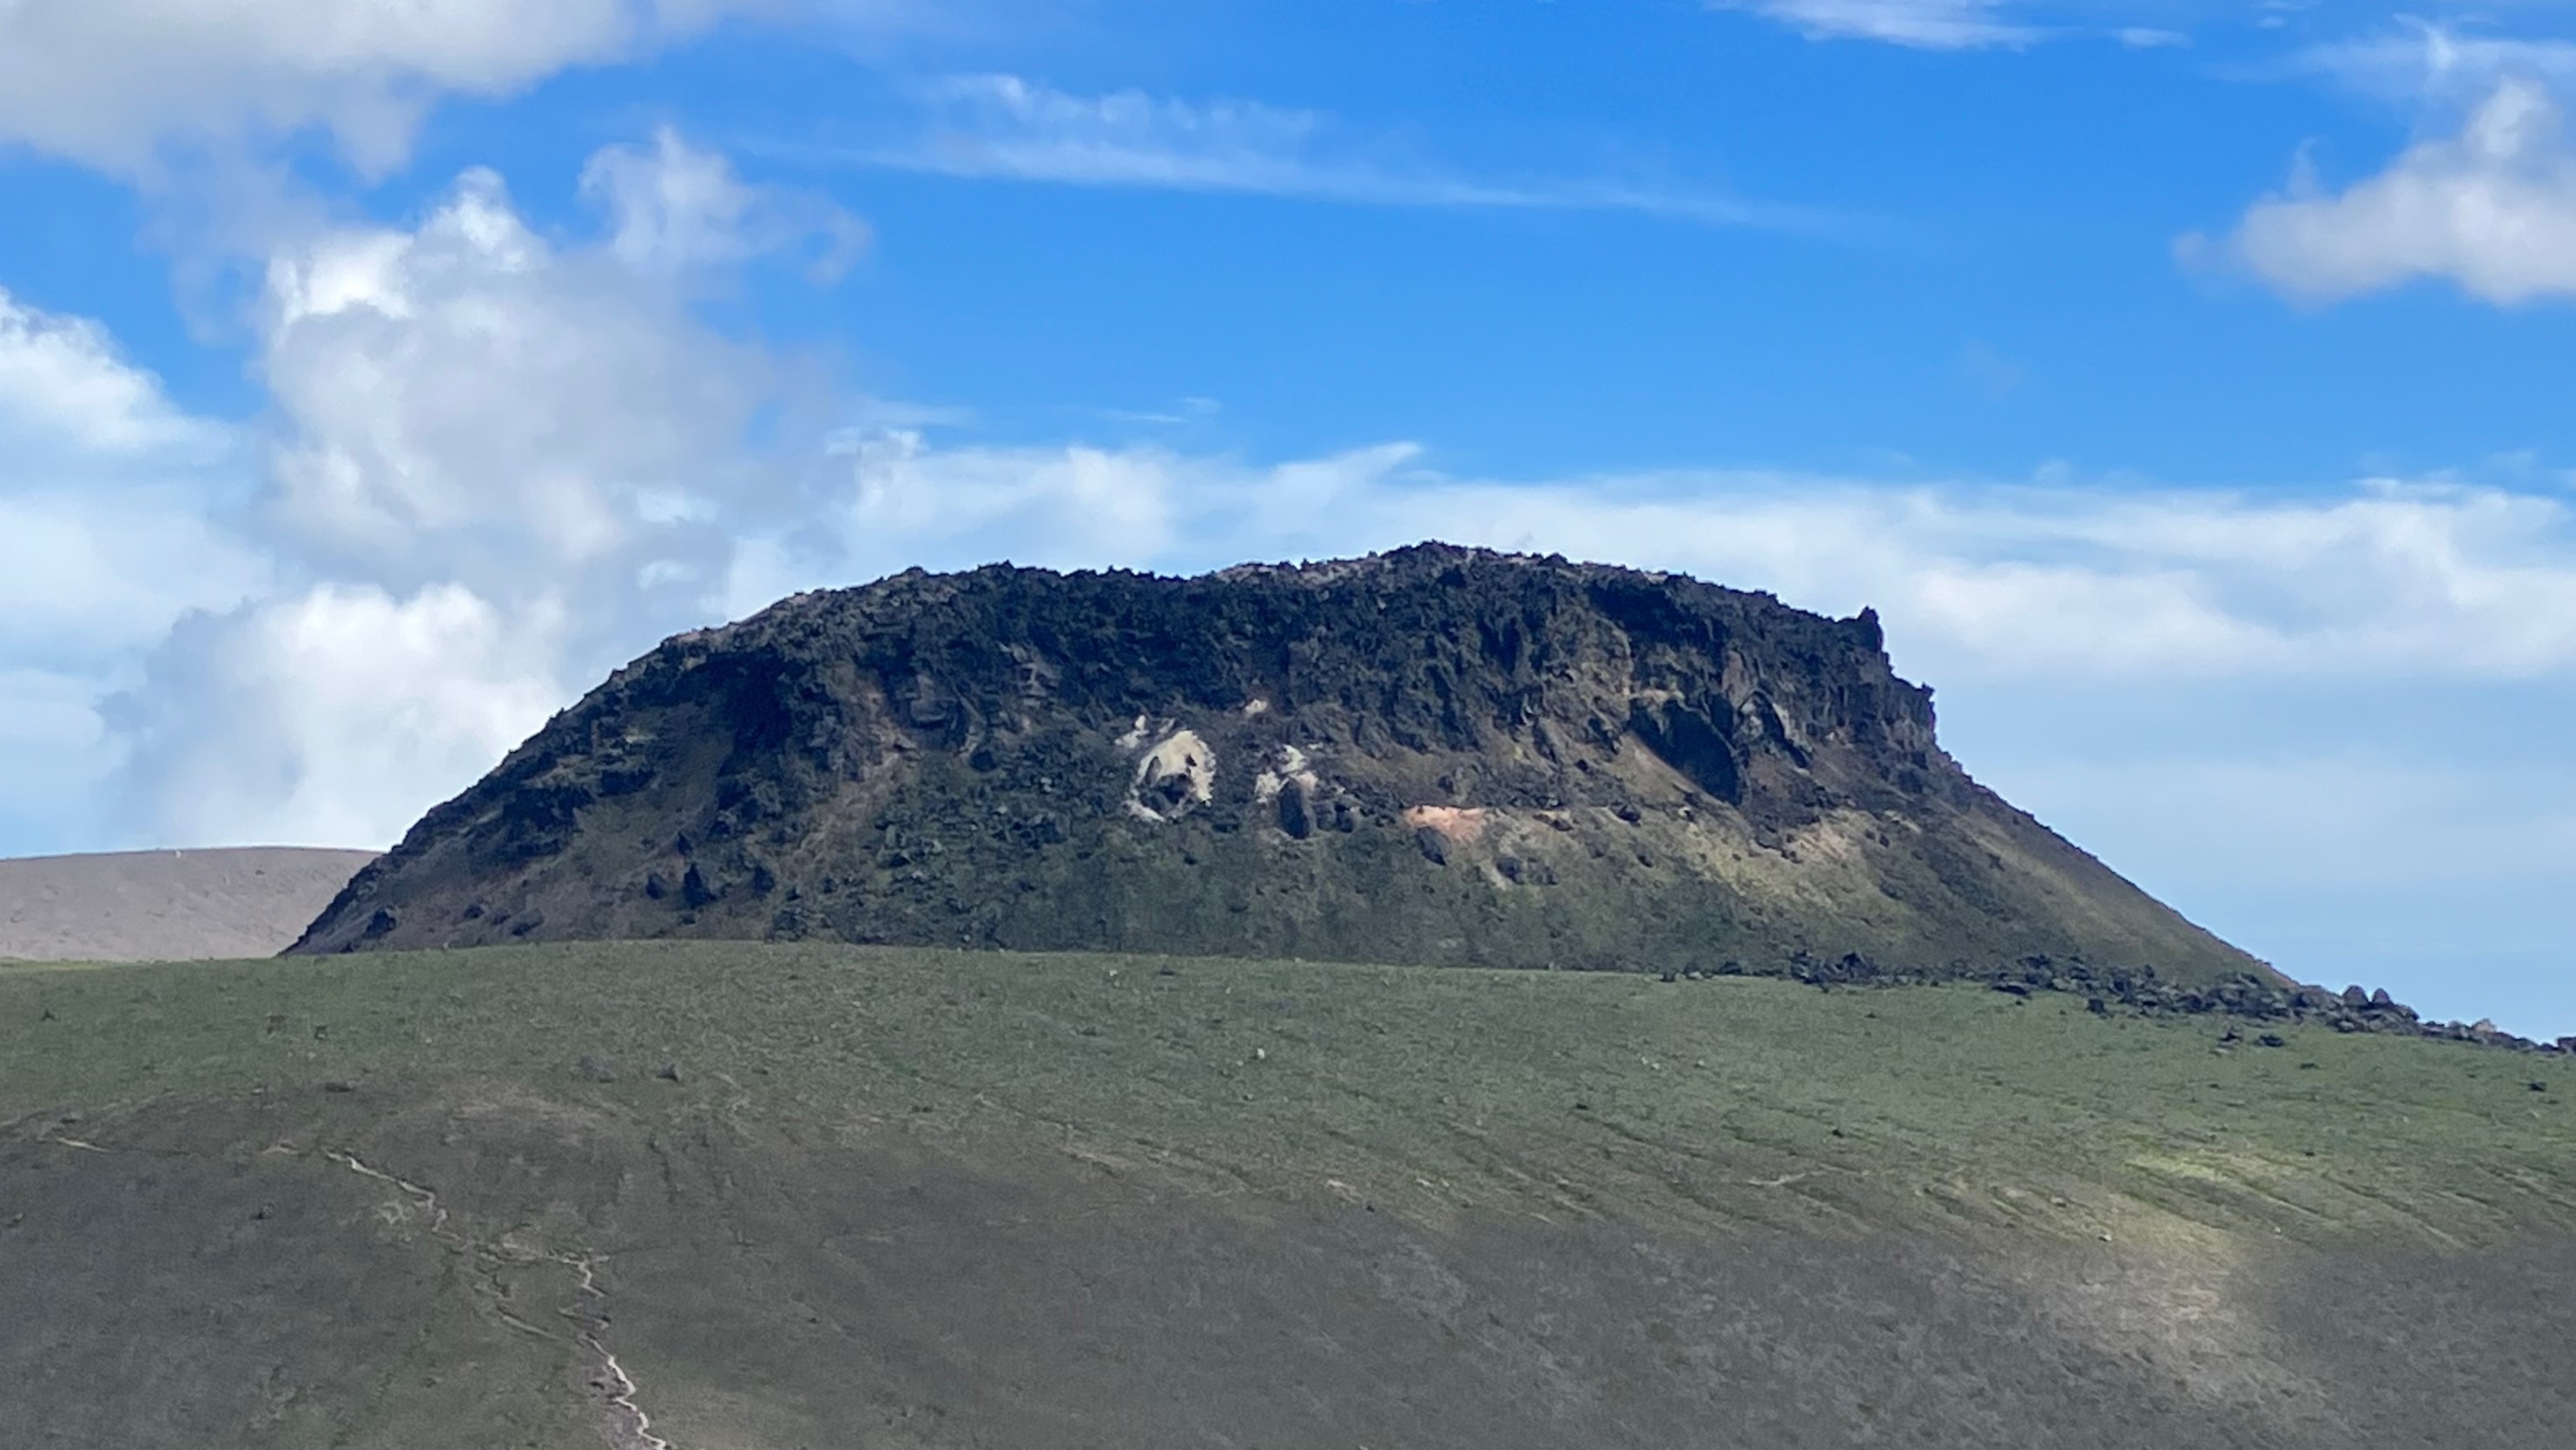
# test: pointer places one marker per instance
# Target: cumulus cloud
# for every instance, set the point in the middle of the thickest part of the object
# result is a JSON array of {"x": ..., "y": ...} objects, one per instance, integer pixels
[
  {"x": 495, "y": 463},
  {"x": 334, "y": 714},
  {"x": 105, "y": 542},
  {"x": 109, "y": 81},
  {"x": 62, "y": 378},
  {"x": 463, "y": 399},
  {"x": 60, "y": 756},
  {"x": 103, "y": 488},
  {"x": 491, "y": 464},
  {"x": 85, "y": 573},
  {"x": 2492, "y": 210}
]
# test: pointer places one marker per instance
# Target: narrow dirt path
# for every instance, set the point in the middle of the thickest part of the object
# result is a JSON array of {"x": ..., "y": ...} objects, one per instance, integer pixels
[
  {"x": 629, "y": 1427},
  {"x": 53, "y": 1133}
]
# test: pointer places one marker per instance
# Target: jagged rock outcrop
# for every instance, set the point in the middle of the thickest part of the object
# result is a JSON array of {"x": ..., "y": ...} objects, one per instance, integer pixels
[{"x": 1433, "y": 755}]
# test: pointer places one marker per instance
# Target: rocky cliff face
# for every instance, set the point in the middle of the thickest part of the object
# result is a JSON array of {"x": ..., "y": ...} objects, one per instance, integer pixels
[{"x": 1433, "y": 755}]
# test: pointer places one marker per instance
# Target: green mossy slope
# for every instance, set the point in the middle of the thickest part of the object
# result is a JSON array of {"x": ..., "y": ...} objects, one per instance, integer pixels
[{"x": 811, "y": 1196}]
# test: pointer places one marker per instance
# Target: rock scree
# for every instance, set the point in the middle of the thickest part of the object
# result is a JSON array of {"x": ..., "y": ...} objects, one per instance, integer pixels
[{"x": 1434, "y": 755}]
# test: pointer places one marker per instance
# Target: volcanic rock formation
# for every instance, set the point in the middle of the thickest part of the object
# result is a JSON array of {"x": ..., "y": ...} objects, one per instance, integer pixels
[{"x": 1433, "y": 755}]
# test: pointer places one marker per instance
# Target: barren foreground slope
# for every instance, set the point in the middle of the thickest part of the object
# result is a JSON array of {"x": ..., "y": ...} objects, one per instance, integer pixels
[
  {"x": 731, "y": 1197},
  {"x": 130, "y": 906}
]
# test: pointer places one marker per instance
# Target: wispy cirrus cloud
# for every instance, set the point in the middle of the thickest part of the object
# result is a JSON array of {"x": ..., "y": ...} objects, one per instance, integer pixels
[
  {"x": 1007, "y": 127},
  {"x": 676, "y": 208},
  {"x": 2413, "y": 60},
  {"x": 1918, "y": 24},
  {"x": 2148, "y": 37},
  {"x": 1949, "y": 24}
]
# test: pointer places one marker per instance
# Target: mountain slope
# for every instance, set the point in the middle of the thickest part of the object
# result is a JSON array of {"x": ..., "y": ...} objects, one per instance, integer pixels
[
  {"x": 780, "y": 1196},
  {"x": 129, "y": 906},
  {"x": 1436, "y": 755}
]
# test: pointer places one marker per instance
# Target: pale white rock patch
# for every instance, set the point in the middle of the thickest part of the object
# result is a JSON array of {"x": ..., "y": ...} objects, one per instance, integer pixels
[{"x": 1176, "y": 774}]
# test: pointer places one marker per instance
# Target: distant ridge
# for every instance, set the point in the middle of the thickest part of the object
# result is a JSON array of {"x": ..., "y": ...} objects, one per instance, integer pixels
[
  {"x": 165, "y": 905},
  {"x": 1437, "y": 755}
]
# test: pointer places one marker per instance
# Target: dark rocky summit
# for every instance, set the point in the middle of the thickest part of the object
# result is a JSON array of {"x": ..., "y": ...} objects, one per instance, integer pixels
[{"x": 1433, "y": 755}]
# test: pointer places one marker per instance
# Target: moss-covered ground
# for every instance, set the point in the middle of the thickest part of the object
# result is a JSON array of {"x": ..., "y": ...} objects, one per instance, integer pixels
[
  {"x": 797, "y": 1196},
  {"x": 1433, "y": 1090}
]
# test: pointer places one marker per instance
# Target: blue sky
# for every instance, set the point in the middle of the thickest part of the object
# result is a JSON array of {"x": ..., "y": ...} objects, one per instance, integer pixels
[{"x": 2184, "y": 382}]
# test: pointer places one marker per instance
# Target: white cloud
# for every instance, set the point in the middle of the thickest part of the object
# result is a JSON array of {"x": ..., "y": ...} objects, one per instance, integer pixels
[
  {"x": 2434, "y": 580},
  {"x": 466, "y": 401},
  {"x": 676, "y": 208},
  {"x": 106, "y": 540},
  {"x": 62, "y": 382},
  {"x": 110, "y": 81},
  {"x": 496, "y": 464},
  {"x": 2492, "y": 210},
  {"x": 1936, "y": 24},
  {"x": 1920, "y": 24},
  {"x": 88, "y": 573},
  {"x": 60, "y": 758},
  {"x": 1003, "y": 126},
  {"x": 2416, "y": 60},
  {"x": 2429, "y": 579},
  {"x": 1998, "y": 583},
  {"x": 335, "y": 715}
]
